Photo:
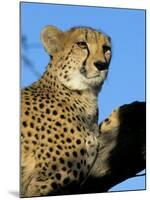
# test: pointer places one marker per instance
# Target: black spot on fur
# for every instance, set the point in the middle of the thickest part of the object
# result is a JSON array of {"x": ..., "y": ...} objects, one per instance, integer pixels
[
  {"x": 33, "y": 117},
  {"x": 68, "y": 140},
  {"x": 69, "y": 164},
  {"x": 42, "y": 150},
  {"x": 67, "y": 154},
  {"x": 34, "y": 142},
  {"x": 49, "y": 174},
  {"x": 57, "y": 152},
  {"x": 29, "y": 134},
  {"x": 41, "y": 105},
  {"x": 78, "y": 128},
  {"x": 72, "y": 130},
  {"x": 48, "y": 155},
  {"x": 50, "y": 140},
  {"x": 58, "y": 176},
  {"x": 36, "y": 136},
  {"x": 78, "y": 141},
  {"x": 39, "y": 156},
  {"x": 59, "y": 147},
  {"x": 56, "y": 136},
  {"x": 43, "y": 136},
  {"x": 69, "y": 120},
  {"x": 50, "y": 149},
  {"x": 54, "y": 185},
  {"x": 48, "y": 131},
  {"x": 66, "y": 180},
  {"x": 42, "y": 128},
  {"x": 54, "y": 112},
  {"x": 62, "y": 116},
  {"x": 82, "y": 151},
  {"x": 27, "y": 113},
  {"x": 43, "y": 186},
  {"x": 35, "y": 108},
  {"x": 24, "y": 123},
  {"x": 64, "y": 169},
  {"x": 75, "y": 154},
  {"x": 38, "y": 120},
  {"x": 54, "y": 167},
  {"x": 67, "y": 109},
  {"x": 31, "y": 125},
  {"x": 48, "y": 111},
  {"x": 27, "y": 103},
  {"x": 58, "y": 124},
  {"x": 62, "y": 161}
]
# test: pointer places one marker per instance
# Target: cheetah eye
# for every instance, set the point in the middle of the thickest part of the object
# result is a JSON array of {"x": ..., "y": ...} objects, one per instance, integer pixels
[
  {"x": 106, "y": 48},
  {"x": 82, "y": 44}
]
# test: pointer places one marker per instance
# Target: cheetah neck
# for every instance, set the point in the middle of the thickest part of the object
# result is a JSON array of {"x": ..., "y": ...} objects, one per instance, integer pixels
[{"x": 86, "y": 99}]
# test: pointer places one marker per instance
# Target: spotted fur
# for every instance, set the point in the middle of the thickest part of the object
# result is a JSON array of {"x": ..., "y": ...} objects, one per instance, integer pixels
[{"x": 59, "y": 112}]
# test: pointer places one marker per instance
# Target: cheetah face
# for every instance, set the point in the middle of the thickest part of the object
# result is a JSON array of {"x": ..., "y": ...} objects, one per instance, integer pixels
[{"x": 81, "y": 56}]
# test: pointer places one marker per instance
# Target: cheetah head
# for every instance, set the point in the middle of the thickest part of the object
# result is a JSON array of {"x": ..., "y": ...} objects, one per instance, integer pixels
[{"x": 80, "y": 56}]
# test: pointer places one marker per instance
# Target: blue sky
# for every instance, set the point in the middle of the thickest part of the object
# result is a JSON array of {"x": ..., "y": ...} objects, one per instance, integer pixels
[{"x": 126, "y": 80}]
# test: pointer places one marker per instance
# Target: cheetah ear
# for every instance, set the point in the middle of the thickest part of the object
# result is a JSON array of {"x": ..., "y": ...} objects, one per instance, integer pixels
[{"x": 51, "y": 39}]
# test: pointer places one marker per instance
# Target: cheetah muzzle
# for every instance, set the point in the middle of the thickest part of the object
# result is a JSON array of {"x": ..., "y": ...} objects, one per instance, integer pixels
[{"x": 59, "y": 113}]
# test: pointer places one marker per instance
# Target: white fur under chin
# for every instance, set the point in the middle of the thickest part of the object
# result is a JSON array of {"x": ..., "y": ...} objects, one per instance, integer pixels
[
  {"x": 79, "y": 82},
  {"x": 76, "y": 82}
]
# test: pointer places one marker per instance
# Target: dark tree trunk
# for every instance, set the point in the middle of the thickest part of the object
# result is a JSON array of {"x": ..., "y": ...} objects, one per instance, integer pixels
[{"x": 122, "y": 148}]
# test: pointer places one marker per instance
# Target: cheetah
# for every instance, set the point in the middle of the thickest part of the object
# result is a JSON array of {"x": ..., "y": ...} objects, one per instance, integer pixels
[{"x": 59, "y": 112}]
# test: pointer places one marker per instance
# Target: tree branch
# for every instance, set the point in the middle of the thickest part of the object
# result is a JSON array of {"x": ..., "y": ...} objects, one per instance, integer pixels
[
  {"x": 138, "y": 175},
  {"x": 30, "y": 65},
  {"x": 122, "y": 148}
]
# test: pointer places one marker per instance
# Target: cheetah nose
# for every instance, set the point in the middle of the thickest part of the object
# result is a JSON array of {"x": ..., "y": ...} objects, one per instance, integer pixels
[{"x": 101, "y": 65}]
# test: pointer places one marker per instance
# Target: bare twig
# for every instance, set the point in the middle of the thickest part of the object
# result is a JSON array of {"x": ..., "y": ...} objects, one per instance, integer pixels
[{"x": 30, "y": 65}]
